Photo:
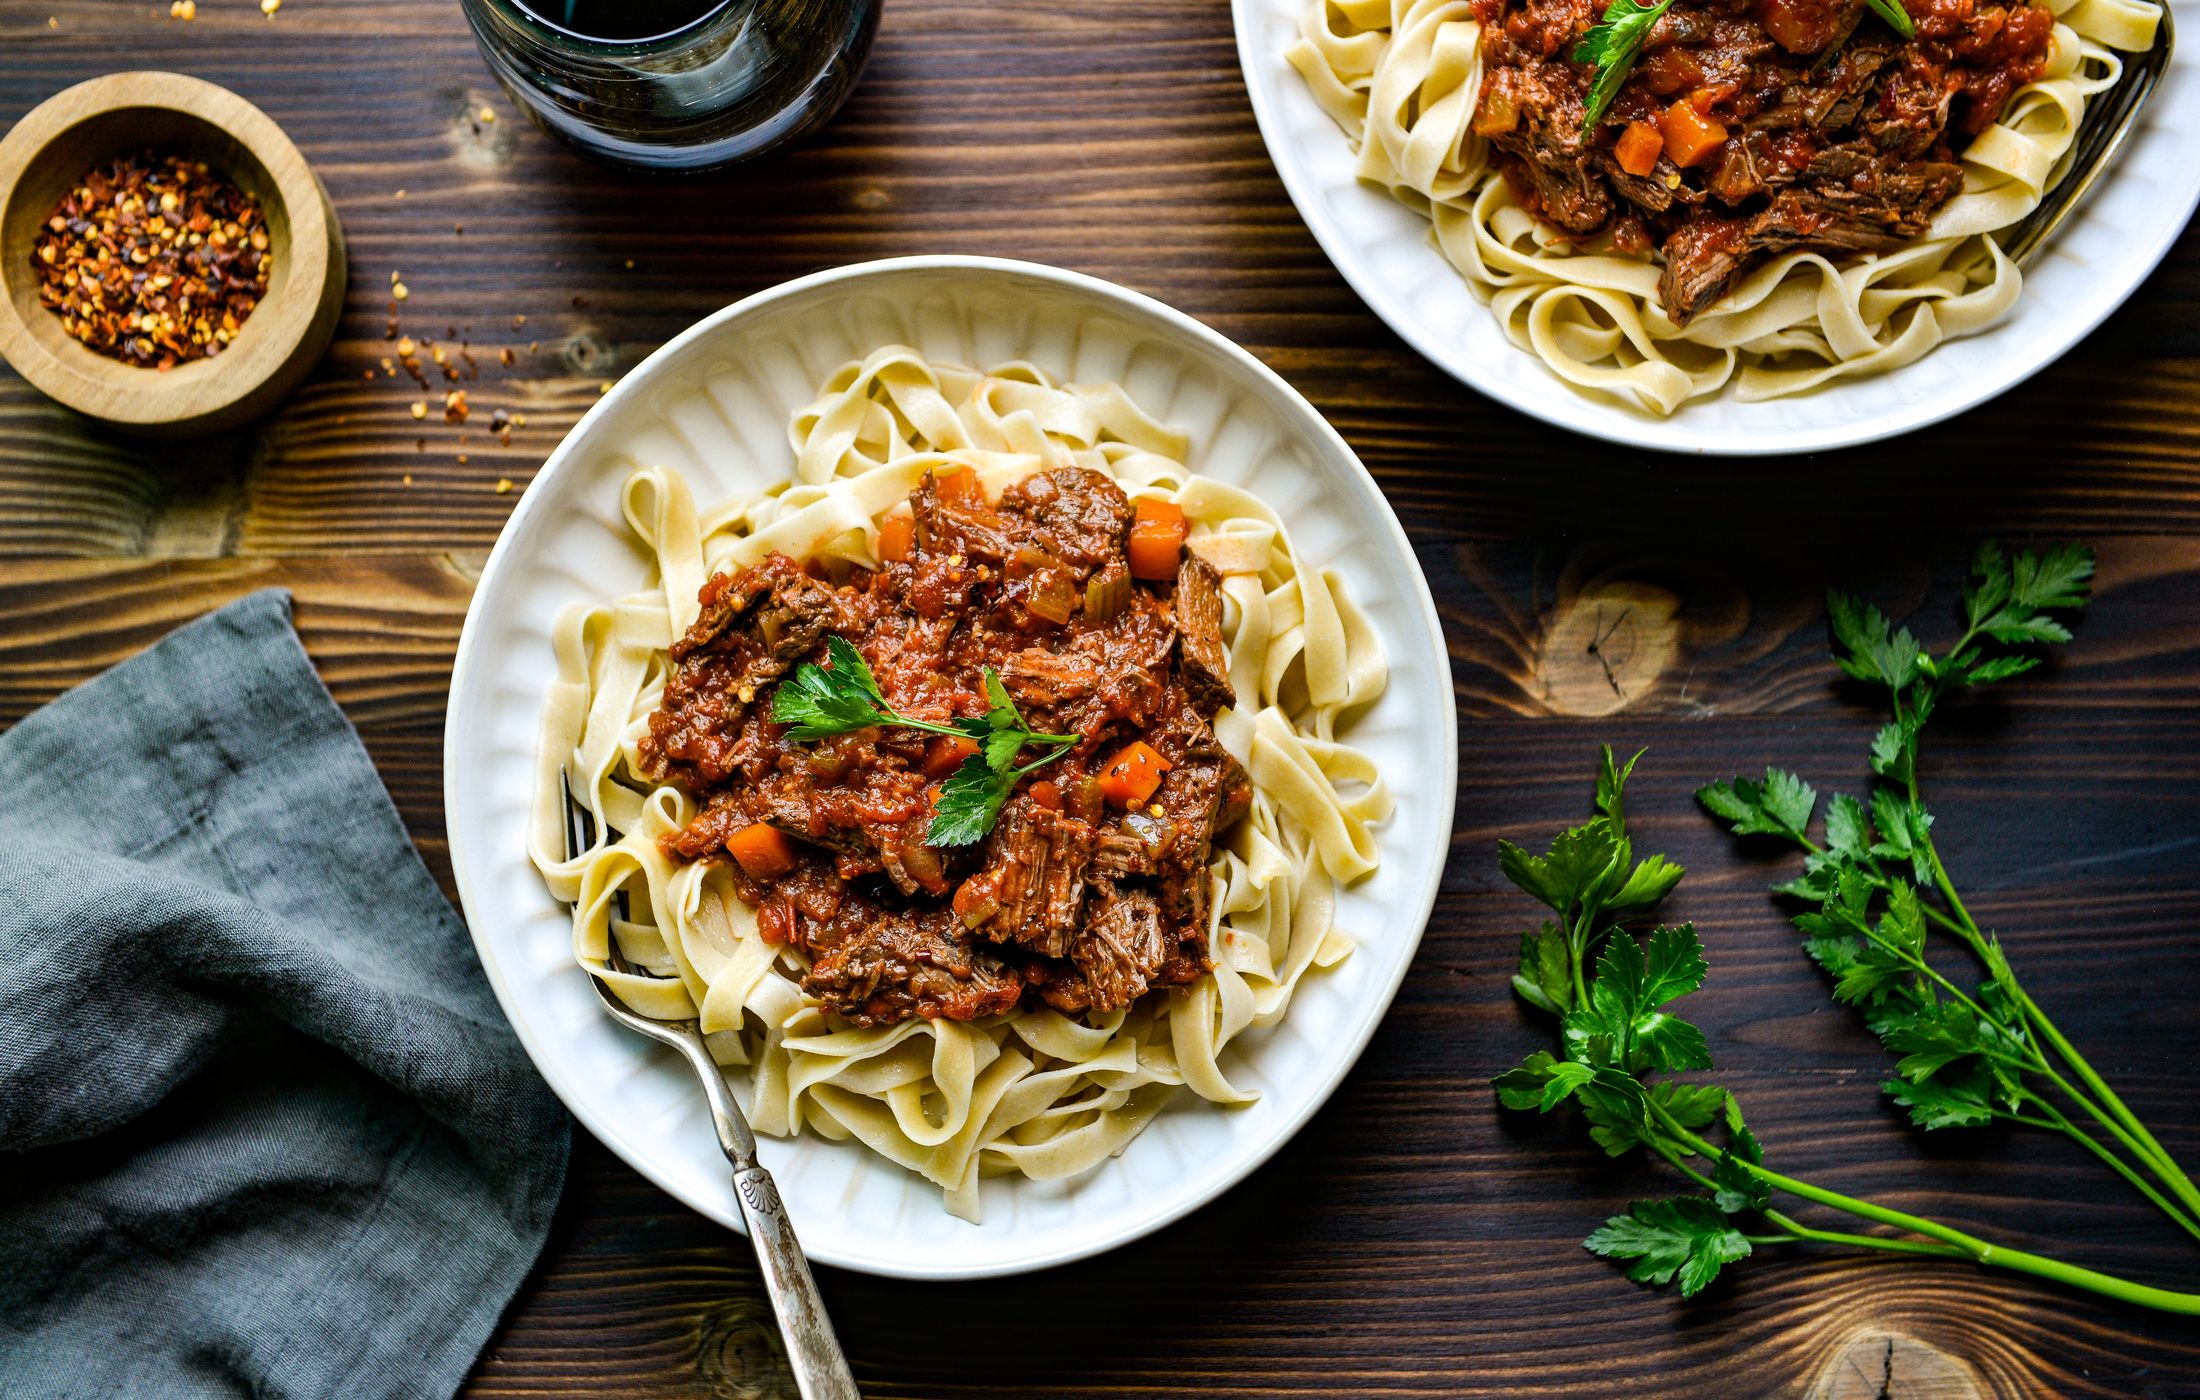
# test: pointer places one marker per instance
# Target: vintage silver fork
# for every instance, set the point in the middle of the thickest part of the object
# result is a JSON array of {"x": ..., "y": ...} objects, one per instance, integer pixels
[
  {"x": 820, "y": 1370},
  {"x": 2109, "y": 119}
]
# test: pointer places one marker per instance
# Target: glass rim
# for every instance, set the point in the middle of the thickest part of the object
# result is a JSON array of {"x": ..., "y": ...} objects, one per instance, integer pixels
[{"x": 524, "y": 14}]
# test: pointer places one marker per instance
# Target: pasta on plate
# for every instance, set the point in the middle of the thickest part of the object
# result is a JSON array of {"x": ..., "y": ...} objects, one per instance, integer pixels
[
  {"x": 1032, "y": 1091},
  {"x": 1404, "y": 78}
]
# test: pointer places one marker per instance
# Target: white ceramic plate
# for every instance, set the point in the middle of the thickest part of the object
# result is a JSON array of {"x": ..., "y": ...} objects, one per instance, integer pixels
[
  {"x": 714, "y": 404},
  {"x": 1383, "y": 249}
]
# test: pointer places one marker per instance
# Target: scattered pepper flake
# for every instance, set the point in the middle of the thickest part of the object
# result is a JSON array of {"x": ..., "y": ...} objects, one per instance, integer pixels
[
  {"x": 408, "y": 478},
  {"x": 505, "y": 356},
  {"x": 488, "y": 116},
  {"x": 504, "y": 486},
  {"x": 419, "y": 409},
  {"x": 399, "y": 291},
  {"x": 405, "y": 347},
  {"x": 518, "y": 321},
  {"x": 603, "y": 388},
  {"x": 454, "y": 406},
  {"x": 181, "y": 9},
  {"x": 269, "y": 7},
  {"x": 153, "y": 260}
]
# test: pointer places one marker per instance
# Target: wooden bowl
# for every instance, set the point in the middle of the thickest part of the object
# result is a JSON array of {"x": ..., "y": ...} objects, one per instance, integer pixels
[{"x": 94, "y": 122}]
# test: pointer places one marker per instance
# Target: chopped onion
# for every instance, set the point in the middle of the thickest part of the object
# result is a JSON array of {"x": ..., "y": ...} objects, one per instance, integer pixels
[
  {"x": 1030, "y": 559},
  {"x": 1053, "y": 596},
  {"x": 976, "y": 902}
]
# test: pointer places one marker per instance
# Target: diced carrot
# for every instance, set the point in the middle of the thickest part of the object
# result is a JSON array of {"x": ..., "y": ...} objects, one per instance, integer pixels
[
  {"x": 897, "y": 538},
  {"x": 1048, "y": 794},
  {"x": 960, "y": 488},
  {"x": 1156, "y": 542},
  {"x": 763, "y": 850},
  {"x": 946, "y": 754},
  {"x": 1639, "y": 147},
  {"x": 1131, "y": 776},
  {"x": 1690, "y": 136}
]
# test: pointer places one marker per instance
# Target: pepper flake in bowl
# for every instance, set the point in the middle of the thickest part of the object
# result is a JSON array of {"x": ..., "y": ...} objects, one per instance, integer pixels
[
  {"x": 168, "y": 262},
  {"x": 154, "y": 260}
]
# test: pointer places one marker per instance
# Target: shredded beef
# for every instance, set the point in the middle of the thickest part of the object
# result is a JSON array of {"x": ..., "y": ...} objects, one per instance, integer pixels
[{"x": 1070, "y": 898}]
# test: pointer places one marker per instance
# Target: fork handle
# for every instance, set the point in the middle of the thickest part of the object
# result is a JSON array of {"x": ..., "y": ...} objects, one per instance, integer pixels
[{"x": 820, "y": 1371}]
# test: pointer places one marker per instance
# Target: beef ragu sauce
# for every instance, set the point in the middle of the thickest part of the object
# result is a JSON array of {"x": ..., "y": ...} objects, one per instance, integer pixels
[
  {"x": 1750, "y": 128},
  {"x": 1075, "y": 898}
]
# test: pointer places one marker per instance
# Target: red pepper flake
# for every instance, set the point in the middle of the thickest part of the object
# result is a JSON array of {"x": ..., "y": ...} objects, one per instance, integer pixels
[
  {"x": 153, "y": 260},
  {"x": 454, "y": 406}
]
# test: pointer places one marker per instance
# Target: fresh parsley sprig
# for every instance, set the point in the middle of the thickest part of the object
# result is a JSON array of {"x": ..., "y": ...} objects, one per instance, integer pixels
[
  {"x": 973, "y": 795},
  {"x": 1610, "y": 48},
  {"x": 1964, "y": 1059},
  {"x": 1618, "y": 1028},
  {"x": 843, "y": 695}
]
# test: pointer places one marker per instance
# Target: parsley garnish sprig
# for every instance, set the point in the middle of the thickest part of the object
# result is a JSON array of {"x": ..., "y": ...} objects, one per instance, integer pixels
[
  {"x": 843, "y": 695},
  {"x": 1610, "y": 48},
  {"x": 1618, "y": 1028}
]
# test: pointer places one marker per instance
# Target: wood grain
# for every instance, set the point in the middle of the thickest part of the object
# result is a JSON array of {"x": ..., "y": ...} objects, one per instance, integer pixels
[{"x": 1412, "y": 1240}]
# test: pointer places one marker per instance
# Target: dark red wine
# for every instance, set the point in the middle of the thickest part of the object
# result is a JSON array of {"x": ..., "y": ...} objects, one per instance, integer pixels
[
  {"x": 621, "y": 21},
  {"x": 676, "y": 85}
]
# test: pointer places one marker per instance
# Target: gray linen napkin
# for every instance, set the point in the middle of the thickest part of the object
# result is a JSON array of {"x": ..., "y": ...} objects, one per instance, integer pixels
[{"x": 263, "y": 1129}]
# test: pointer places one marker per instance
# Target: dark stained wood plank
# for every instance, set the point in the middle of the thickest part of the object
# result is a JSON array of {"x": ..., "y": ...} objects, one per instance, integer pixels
[{"x": 1413, "y": 1241}]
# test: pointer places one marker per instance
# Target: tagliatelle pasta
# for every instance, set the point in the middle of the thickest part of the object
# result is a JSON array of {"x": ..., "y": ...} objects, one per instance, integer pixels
[
  {"x": 1402, "y": 78},
  {"x": 1033, "y": 1092}
]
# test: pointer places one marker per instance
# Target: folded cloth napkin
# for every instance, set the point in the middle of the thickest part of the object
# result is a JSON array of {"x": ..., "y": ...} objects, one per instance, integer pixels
[{"x": 263, "y": 1129}]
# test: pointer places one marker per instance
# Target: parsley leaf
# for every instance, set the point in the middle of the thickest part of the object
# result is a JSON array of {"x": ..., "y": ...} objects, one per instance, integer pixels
[
  {"x": 1946, "y": 1101},
  {"x": 1610, "y": 48},
  {"x": 1542, "y": 1082},
  {"x": 1778, "y": 806},
  {"x": 819, "y": 703},
  {"x": 1737, "y": 1191},
  {"x": 1897, "y": 18},
  {"x": 1622, "y": 1024},
  {"x": 1544, "y": 979},
  {"x": 1872, "y": 650},
  {"x": 1685, "y": 1237},
  {"x": 970, "y": 802},
  {"x": 1612, "y": 788}
]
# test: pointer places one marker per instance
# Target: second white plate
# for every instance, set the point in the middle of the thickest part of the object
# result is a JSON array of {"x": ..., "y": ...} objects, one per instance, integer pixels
[{"x": 1382, "y": 248}]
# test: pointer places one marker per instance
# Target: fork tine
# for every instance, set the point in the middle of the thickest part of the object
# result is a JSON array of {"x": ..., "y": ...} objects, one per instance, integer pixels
[
  {"x": 572, "y": 842},
  {"x": 2108, "y": 125}
]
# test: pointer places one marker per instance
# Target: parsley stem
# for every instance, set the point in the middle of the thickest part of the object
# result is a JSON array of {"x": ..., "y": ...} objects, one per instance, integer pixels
[
  {"x": 1796, "y": 1230},
  {"x": 1979, "y": 1251},
  {"x": 2056, "y": 1121}
]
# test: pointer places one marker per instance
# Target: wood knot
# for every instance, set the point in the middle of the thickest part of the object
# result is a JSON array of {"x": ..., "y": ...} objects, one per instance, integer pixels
[
  {"x": 738, "y": 1355},
  {"x": 586, "y": 355},
  {"x": 1876, "y": 1364},
  {"x": 1605, "y": 647}
]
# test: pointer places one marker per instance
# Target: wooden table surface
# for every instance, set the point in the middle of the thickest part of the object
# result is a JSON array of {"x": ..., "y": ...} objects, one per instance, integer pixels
[{"x": 1411, "y": 1240}]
